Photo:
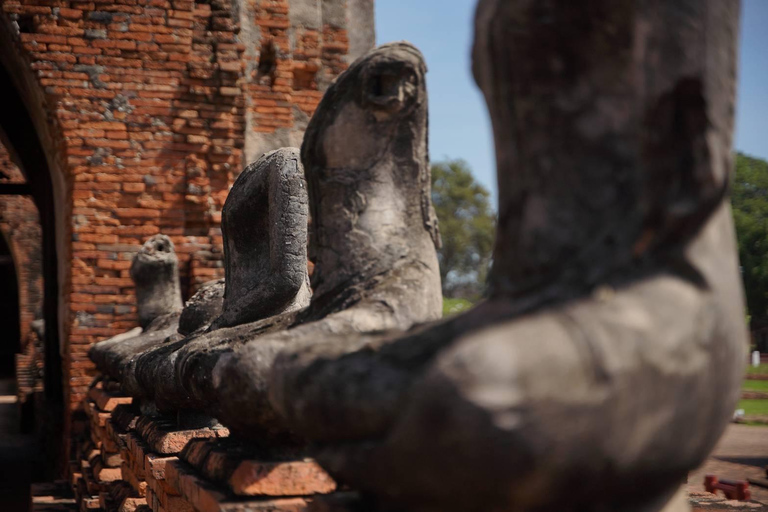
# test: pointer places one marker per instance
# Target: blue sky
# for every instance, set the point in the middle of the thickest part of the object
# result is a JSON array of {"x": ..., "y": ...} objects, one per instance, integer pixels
[{"x": 459, "y": 125}]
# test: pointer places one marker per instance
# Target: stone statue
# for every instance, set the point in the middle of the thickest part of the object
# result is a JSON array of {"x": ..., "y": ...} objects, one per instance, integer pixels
[
  {"x": 155, "y": 273},
  {"x": 264, "y": 223},
  {"x": 373, "y": 235},
  {"x": 607, "y": 360},
  {"x": 265, "y": 257},
  {"x": 374, "y": 230}
]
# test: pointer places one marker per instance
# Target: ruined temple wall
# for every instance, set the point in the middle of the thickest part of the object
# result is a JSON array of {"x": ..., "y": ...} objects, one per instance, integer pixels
[
  {"x": 20, "y": 225},
  {"x": 159, "y": 104},
  {"x": 300, "y": 46}
]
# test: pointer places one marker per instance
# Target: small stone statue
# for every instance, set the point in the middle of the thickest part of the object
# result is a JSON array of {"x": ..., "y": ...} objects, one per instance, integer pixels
[
  {"x": 155, "y": 273},
  {"x": 607, "y": 360},
  {"x": 202, "y": 308}
]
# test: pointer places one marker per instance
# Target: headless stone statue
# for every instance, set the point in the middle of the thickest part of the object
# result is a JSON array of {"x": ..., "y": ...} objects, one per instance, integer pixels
[
  {"x": 265, "y": 238},
  {"x": 367, "y": 164},
  {"x": 607, "y": 361},
  {"x": 155, "y": 274},
  {"x": 373, "y": 234},
  {"x": 264, "y": 223},
  {"x": 373, "y": 227}
]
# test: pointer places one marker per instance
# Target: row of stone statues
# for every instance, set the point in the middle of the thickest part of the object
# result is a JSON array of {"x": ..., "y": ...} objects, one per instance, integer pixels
[{"x": 606, "y": 360}]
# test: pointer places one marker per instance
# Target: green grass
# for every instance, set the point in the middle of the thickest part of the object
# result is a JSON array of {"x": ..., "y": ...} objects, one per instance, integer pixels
[
  {"x": 755, "y": 385},
  {"x": 763, "y": 368},
  {"x": 754, "y": 407},
  {"x": 453, "y": 306}
]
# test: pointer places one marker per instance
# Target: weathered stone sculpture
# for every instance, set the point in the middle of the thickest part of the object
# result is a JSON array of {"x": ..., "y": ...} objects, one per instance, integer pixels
[
  {"x": 373, "y": 232},
  {"x": 264, "y": 223},
  {"x": 265, "y": 239},
  {"x": 155, "y": 273},
  {"x": 373, "y": 226},
  {"x": 203, "y": 307},
  {"x": 607, "y": 360},
  {"x": 367, "y": 165}
]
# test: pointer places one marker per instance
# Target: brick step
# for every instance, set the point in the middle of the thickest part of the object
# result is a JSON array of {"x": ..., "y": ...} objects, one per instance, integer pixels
[
  {"x": 120, "y": 497},
  {"x": 107, "y": 401},
  {"x": 163, "y": 436},
  {"x": 247, "y": 472},
  {"x": 204, "y": 496},
  {"x": 54, "y": 496}
]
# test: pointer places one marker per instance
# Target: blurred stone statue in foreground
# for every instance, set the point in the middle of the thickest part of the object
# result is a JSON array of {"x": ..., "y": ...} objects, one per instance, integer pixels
[{"x": 606, "y": 362}]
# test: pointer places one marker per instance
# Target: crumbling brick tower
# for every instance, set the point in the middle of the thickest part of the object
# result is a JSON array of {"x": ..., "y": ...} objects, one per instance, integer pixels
[{"x": 133, "y": 117}]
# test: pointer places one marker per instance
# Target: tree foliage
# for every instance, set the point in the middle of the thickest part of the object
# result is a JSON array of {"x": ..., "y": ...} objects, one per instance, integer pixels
[
  {"x": 467, "y": 228},
  {"x": 749, "y": 198}
]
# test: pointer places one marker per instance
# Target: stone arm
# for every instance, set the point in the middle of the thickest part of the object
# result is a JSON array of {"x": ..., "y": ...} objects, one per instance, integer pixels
[
  {"x": 613, "y": 391},
  {"x": 112, "y": 356}
]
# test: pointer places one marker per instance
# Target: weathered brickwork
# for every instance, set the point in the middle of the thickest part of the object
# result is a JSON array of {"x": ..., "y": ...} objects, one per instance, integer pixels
[{"x": 159, "y": 103}]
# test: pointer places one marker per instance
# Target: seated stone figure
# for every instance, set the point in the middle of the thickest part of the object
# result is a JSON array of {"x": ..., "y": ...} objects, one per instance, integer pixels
[
  {"x": 155, "y": 274},
  {"x": 270, "y": 197},
  {"x": 373, "y": 236},
  {"x": 265, "y": 236},
  {"x": 606, "y": 362},
  {"x": 264, "y": 222}
]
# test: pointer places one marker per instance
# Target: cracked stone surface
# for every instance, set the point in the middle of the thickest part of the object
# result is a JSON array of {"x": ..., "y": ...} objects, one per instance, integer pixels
[
  {"x": 607, "y": 360},
  {"x": 202, "y": 308}
]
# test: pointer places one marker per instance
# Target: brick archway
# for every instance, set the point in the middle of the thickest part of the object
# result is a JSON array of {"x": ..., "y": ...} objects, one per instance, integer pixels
[{"x": 25, "y": 132}]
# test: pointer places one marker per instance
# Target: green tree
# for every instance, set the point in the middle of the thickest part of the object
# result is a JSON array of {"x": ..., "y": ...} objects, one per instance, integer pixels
[
  {"x": 467, "y": 229},
  {"x": 749, "y": 198}
]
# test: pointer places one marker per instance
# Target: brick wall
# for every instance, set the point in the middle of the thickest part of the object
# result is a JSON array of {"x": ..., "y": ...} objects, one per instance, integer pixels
[{"x": 159, "y": 104}]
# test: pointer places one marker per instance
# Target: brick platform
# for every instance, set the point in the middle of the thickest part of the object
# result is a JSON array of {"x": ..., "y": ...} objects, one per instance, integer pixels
[{"x": 128, "y": 461}]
